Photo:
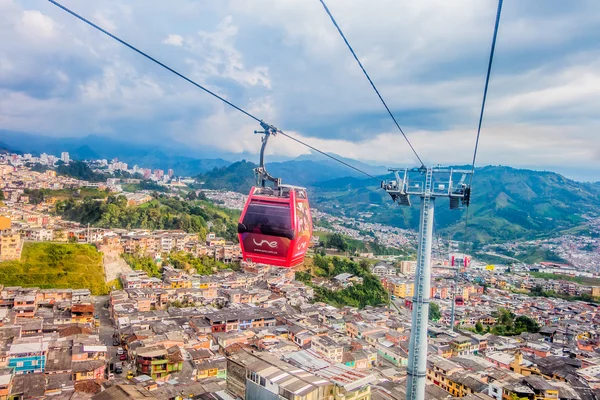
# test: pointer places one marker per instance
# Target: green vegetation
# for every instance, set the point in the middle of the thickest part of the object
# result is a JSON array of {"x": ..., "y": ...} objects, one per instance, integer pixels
[
  {"x": 143, "y": 185},
  {"x": 37, "y": 167},
  {"x": 508, "y": 325},
  {"x": 508, "y": 204},
  {"x": 479, "y": 327},
  {"x": 582, "y": 280},
  {"x": 237, "y": 177},
  {"x": 531, "y": 254},
  {"x": 80, "y": 170},
  {"x": 305, "y": 277},
  {"x": 344, "y": 243},
  {"x": 53, "y": 265},
  {"x": 434, "y": 312},
  {"x": 143, "y": 263},
  {"x": 115, "y": 284},
  {"x": 36, "y": 196},
  {"x": 337, "y": 241},
  {"x": 161, "y": 213},
  {"x": 202, "y": 265},
  {"x": 370, "y": 292},
  {"x": 538, "y": 291}
]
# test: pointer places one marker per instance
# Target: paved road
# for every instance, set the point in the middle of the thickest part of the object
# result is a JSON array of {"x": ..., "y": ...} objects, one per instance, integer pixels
[{"x": 106, "y": 332}]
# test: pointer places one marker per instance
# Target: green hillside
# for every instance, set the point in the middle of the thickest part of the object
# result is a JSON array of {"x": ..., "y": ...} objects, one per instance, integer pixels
[
  {"x": 507, "y": 203},
  {"x": 237, "y": 177},
  {"x": 161, "y": 213},
  {"x": 54, "y": 265}
]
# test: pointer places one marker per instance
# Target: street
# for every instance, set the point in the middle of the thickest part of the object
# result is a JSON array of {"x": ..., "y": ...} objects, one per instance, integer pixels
[{"x": 105, "y": 333}]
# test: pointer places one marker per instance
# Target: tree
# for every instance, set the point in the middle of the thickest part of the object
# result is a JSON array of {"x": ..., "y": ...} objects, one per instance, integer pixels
[
  {"x": 303, "y": 276},
  {"x": 192, "y": 195},
  {"x": 434, "y": 312},
  {"x": 337, "y": 241},
  {"x": 59, "y": 234},
  {"x": 524, "y": 323},
  {"x": 479, "y": 327}
]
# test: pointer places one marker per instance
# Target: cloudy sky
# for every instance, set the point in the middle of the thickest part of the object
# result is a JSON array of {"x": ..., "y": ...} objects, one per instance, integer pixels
[{"x": 284, "y": 61}]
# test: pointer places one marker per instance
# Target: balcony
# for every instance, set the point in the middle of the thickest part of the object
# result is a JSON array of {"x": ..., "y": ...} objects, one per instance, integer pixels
[{"x": 144, "y": 362}]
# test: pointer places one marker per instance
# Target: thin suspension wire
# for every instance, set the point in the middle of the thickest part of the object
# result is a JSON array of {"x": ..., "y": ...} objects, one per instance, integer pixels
[
  {"x": 487, "y": 81},
  {"x": 485, "y": 90},
  {"x": 73, "y": 13},
  {"x": 330, "y": 156},
  {"x": 370, "y": 81}
]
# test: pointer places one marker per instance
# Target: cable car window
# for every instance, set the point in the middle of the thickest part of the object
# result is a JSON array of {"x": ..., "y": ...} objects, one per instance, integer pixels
[{"x": 268, "y": 219}]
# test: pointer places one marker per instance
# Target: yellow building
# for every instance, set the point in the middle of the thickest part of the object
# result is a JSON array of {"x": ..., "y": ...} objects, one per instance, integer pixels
[
  {"x": 402, "y": 289},
  {"x": 10, "y": 243},
  {"x": 595, "y": 291},
  {"x": 451, "y": 377},
  {"x": 518, "y": 366},
  {"x": 179, "y": 283},
  {"x": 5, "y": 223}
]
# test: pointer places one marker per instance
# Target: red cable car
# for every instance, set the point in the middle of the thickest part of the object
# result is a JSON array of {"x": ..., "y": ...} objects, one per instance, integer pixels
[
  {"x": 275, "y": 227},
  {"x": 459, "y": 300}
]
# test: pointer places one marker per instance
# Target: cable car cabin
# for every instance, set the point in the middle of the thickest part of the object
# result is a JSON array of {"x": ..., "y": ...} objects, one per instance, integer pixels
[
  {"x": 459, "y": 301},
  {"x": 275, "y": 227}
]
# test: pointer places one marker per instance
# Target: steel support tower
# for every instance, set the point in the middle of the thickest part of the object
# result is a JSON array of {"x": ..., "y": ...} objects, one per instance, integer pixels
[
  {"x": 453, "y": 317},
  {"x": 427, "y": 183}
]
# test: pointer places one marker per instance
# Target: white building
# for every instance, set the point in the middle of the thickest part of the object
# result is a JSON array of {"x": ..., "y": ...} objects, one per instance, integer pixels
[{"x": 64, "y": 156}]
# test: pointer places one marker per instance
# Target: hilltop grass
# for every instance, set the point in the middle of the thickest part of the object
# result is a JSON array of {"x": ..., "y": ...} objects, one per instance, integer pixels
[
  {"x": 582, "y": 280},
  {"x": 366, "y": 246},
  {"x": 56, "y": 265},
  {"x": 63, "y": 194}
]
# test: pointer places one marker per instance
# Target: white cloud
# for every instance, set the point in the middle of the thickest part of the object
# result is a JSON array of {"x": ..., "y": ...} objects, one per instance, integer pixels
[
  {"x": 218, "y": 56},
  {"x": 36, "y": 26},
  {"x": 284, "y": 61},
  {"x": 173, "y": 40}
]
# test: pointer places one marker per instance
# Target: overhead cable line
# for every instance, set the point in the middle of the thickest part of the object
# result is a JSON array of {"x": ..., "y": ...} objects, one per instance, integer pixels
[
  {"x": 182, "y": 76},
  {"x": 370, "y": 81},
  {"x": 485, "y": 90},
  {"x": 487, "y": 82}
]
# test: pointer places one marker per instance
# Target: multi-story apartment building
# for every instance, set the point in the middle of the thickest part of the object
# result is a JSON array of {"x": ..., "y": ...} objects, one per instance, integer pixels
[
  {"x": 10, "y": 242},
  {"x": 28, "y": 355},
  {"x": 157, "y": 361},
  {"x": 399, "y": 287},
  {"x": 328, "y": 347}
]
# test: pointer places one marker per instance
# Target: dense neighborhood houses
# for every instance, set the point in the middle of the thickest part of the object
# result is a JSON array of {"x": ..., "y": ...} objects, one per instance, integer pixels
[{"x": 246, "y": 330}]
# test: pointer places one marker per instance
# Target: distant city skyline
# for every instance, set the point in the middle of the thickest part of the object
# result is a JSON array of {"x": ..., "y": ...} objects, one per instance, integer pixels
[{"x": 285, "y": 62}]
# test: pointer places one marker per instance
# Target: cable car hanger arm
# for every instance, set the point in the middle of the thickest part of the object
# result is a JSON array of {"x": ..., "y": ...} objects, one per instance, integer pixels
[{"x": 262, "y": 176}]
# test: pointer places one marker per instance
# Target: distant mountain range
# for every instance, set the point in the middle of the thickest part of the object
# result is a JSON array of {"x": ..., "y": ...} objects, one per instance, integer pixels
[
  {"x": 99, "y": 147},
  {"x": 507, "y": 203},
  {"x": 5, "y": 149}
]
